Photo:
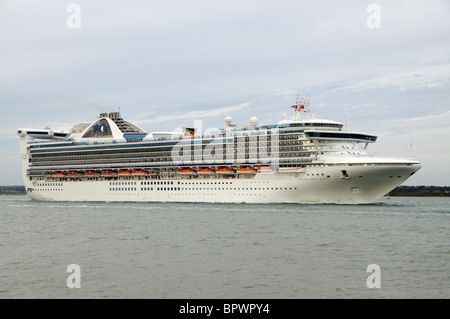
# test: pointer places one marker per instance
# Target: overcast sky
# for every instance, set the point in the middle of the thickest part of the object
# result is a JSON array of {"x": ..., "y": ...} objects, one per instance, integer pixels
[{"x": 169, "y": 63}]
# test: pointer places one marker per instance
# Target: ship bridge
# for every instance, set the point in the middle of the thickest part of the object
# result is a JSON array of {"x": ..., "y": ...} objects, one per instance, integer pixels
[{"x": 341, "y": 135}]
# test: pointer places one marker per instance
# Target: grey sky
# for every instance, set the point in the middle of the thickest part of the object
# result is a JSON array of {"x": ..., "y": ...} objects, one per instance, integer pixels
[{"x": 168, "y": 63}]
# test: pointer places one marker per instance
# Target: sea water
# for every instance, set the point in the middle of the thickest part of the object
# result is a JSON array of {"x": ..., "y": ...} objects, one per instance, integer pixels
[{"x": 394, "y": 248}]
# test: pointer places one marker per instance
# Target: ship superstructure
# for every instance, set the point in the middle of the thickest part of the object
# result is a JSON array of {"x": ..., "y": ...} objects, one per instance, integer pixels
[{"x": 298, "y": 160}]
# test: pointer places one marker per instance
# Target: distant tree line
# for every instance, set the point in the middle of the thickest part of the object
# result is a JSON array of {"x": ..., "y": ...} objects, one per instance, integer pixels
[
  {"x": 12, "y": 190},
  {"x": 428, "y": 191}
]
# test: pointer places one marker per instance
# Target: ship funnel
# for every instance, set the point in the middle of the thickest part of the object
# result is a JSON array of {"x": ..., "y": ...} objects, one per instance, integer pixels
[{"x": 114, "y": 116}]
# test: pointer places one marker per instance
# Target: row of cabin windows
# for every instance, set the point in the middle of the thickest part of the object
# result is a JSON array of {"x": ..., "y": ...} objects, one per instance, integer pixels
[{"x": 200, "y": 188}]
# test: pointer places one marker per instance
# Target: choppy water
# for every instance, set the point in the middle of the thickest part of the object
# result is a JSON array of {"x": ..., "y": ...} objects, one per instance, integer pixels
[{"x": 167, "y": 250}]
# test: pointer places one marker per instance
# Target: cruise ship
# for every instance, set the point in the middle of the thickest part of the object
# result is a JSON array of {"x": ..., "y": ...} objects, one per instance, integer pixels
[{"x": 298, "y": 160}]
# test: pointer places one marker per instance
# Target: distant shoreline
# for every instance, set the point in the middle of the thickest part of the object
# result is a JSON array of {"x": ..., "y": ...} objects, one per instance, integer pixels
[
  {"x": 415, "y": 197},
  {"x": 12, "y": 190}
]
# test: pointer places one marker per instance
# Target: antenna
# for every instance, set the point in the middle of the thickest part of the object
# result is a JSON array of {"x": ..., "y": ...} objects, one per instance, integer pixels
[
  {"x": 301, "y": 100},
  {"x": 301, "y": 104}
]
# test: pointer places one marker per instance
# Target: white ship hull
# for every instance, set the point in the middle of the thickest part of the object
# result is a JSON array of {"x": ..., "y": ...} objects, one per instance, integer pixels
[
  {"x": 325, "y": 184},
  {"x": 310, "y": 161}
]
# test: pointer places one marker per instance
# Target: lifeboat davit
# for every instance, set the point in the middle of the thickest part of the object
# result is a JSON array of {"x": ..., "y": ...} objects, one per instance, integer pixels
[
  {"x": 108, "y": 172},
  {"x": 205, "y": 171},
  {"x": 139, "y": 173},
  {"x": 246, "y": 170},
  {"x": 225, "y": 171},
  {"x": 187, "y": 172},
  {"x": 74, "y": 174},
  {"x": 59, "y": 174}
]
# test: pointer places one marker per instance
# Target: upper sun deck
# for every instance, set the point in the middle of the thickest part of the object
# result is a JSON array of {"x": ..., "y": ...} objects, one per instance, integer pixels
[
  {"x": 112, "y": 128},
  {"x": 310, "y": 123}
]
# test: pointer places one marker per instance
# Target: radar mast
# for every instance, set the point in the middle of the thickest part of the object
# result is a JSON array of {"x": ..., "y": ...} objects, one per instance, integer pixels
[{"x": 301, "y": 106}]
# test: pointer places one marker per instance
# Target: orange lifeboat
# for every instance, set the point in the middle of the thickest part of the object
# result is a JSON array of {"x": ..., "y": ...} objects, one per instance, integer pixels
[
  {"x": 246, "y": 170},
  {"x": 109, "y": 173},
  {"x": 187, "y": 172},
  {"x": 205, "y": 171},
  {"x": 152, "y": 173},
  {"x": 74, "y": 174},
  {"x": 225, "y": 171},
  {"x": 59, "y": 174},
  {"x": 124, "y": 173},
  {"x": 264, "y": 168},
  {"x": 139, "y": 173},
  {"x": 91, "y": 173}
]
